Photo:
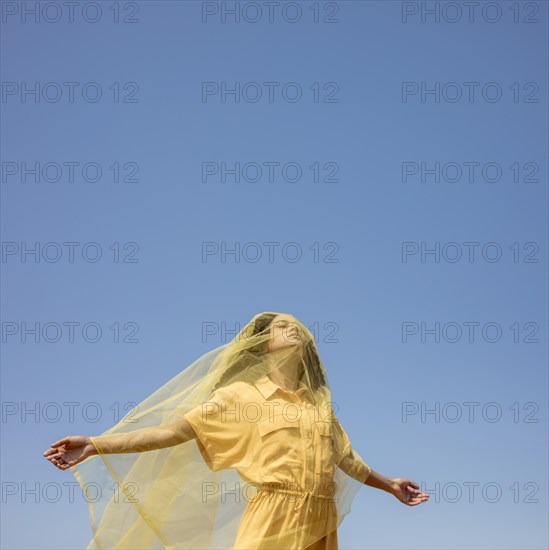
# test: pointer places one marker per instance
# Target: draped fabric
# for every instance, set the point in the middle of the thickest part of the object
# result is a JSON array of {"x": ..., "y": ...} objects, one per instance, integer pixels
[{"x": 270, "y": 467}]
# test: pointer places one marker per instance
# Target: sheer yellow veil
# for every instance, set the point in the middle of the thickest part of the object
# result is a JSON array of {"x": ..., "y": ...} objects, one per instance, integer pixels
[{"x": 173, "y": 497}]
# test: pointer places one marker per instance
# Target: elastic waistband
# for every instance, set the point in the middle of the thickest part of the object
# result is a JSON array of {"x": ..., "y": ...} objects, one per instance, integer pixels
[{"x": 294, "y": 489}]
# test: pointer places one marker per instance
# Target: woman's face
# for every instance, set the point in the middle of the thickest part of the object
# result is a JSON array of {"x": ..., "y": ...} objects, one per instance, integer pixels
[{"x": 285, "y": 332}]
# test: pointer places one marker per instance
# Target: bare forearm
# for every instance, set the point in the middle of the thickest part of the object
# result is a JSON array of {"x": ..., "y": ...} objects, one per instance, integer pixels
[
  {"x": 379, "y": 481},
  {"x": 144, "y": 439}
]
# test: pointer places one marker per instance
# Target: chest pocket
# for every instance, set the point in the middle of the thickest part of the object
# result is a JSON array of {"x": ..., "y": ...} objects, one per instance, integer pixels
[
  {"x": 325, "y": 430},
  {"x": 280, "y": 445},
  {"x": 278, "y": 422}
]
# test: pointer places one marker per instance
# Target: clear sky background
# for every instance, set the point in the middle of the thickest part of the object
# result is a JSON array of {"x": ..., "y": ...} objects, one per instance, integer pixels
[{"x": 160, "y": 303}]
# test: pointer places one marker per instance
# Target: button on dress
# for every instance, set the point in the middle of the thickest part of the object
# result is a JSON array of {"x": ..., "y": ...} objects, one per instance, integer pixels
[{"x": 286, "y": 452}]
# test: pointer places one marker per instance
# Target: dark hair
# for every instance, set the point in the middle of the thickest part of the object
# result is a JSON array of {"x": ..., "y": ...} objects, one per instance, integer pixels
[{"x": 252, "y": 356}]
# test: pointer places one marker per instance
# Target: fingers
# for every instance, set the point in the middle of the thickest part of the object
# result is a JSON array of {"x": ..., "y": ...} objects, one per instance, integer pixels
[
  {"x": 414, "y": 503},
  {"x": 61, "y": 464},
  {"x": 57, "y": 457},
  {"x": 412, "y": 497},
  {"x": 53, "y": 451},
  {"x": 65, "y": 441},
  {"x": 418, "y": 499},
  {"x": 56, "y": 461}
]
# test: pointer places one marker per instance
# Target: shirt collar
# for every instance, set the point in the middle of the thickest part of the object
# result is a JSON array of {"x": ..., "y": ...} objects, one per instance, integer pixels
[{"x": 267, "y": 388}]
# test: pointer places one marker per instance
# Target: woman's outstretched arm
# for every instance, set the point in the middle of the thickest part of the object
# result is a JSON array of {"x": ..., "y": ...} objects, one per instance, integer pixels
[
  {"x": 402, "y": 488},
  {"x": 72, "y": 450}
]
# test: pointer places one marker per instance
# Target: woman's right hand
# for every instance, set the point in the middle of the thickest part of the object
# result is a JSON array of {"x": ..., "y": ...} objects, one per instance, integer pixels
[{"x": 69, "y": 451}]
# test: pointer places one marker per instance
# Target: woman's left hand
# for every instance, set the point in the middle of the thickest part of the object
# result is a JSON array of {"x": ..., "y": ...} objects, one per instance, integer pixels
[{"x": 408, "y": 492}]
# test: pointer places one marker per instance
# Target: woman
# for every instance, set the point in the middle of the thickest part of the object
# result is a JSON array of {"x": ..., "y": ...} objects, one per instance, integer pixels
[{"x": 270, "y": 467}]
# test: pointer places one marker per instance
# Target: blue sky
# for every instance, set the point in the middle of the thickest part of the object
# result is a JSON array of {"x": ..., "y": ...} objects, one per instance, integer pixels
[{"x": 352, "y": 187}]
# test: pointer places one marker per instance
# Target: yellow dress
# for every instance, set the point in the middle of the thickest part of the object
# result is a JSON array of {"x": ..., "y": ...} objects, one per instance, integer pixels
[
  {"x": 286, "y": 456},
  {"x": 266, "y": 468}
]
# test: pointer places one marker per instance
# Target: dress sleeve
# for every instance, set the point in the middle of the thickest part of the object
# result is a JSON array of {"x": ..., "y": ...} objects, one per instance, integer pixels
[
  {"x": 347, "y": 458},
  {"x": 223, "y": 432}
]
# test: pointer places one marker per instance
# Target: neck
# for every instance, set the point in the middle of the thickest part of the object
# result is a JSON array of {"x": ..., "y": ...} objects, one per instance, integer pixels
[
  {"x": 289, "y": 383},
  {"x": 285, "y": 375}
]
